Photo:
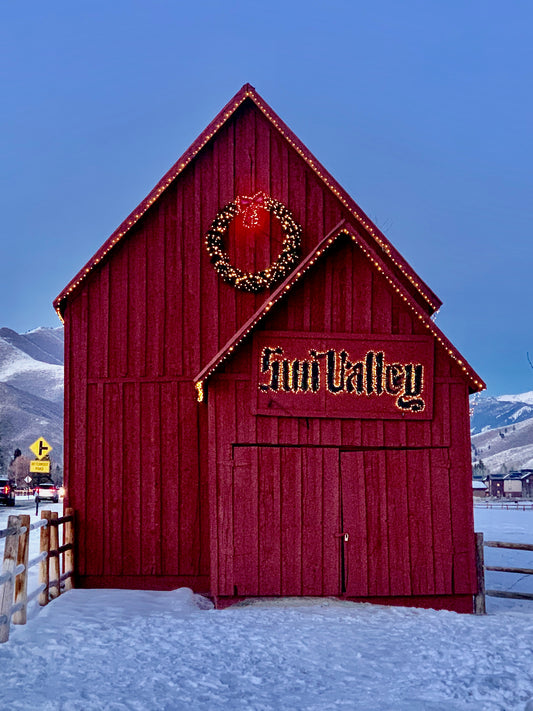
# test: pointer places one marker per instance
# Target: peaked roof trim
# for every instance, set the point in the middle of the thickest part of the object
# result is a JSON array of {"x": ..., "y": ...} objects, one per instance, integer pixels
[
  {"x": 248, "y": 91},
  {"x": 178, "y": 167},
  {"x": 348, "y": 230},
  {"x": 423, "y": 289}
]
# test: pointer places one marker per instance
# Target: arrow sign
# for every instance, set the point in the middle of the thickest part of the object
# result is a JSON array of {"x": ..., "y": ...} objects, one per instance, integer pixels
[{"x": 41, "y": 448}]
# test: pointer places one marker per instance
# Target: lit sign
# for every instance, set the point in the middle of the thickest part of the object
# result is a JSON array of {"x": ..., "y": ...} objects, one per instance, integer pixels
[
  {"x": 314, "y": 375},
  {"x": 340, "y": 375}
]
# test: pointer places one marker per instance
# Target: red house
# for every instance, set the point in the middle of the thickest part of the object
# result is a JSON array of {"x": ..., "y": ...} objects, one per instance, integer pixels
[{"x": 254, "y": 380}]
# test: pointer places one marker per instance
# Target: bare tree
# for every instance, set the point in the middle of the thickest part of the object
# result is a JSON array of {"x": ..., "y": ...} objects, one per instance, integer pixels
[{"x": 19, "y": 469}]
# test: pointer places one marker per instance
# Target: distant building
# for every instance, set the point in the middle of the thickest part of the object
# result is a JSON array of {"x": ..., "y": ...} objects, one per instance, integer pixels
[
  {"x": 526, "y": 477},
  {"x": 479, "y": 489},
  {"x": 512, "y": 486},
  {"x": 494, "y": 484}
]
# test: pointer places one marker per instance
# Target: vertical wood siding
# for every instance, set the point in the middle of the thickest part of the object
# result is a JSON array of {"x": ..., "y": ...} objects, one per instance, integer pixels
[{"x": 395, "y": 486}]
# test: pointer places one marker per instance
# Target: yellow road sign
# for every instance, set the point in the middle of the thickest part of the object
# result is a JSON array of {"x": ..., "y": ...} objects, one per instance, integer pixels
[
  {"x": 41, "y": 448},
  {"x": 38, "y": 467}
]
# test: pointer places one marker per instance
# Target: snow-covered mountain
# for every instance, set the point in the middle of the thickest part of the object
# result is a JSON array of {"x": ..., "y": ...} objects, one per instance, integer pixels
[
  {"x": 502, "y": 431},
  {"x": 42, "y": 344},
  {"x": 502, "y": 411},
  {"x": 523, "y": 398},
  {"x": 31, "y": 389}
]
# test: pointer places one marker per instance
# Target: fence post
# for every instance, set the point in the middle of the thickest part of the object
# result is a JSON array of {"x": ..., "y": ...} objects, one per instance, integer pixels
[
  {"x": 55, "y": 575},
  {"x": 43, "y": 565},
  {"x": 21, "y": 582},
  {"x": 68, "y": 560},
  {"x": 479, "y": 598},
  {"x": 10, "y": 561}
]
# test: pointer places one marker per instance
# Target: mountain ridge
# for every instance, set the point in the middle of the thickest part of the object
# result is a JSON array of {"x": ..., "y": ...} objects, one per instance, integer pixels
[
  {"x": 42, "y": 344},
  {"x": 502, "y": 431}
]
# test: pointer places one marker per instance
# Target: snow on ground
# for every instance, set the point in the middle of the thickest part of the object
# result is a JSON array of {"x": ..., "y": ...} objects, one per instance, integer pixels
[
  {"x": 133, "y": 650},
  {"x": 514, "y": 527}
]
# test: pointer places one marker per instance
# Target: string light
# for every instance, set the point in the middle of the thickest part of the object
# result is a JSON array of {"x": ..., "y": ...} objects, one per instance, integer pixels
[
  {"x": 346, "y": 201},
  {"x": 261, "y": 280},
  {"x": 250, "y": 206},
  {"x": 342, "y": 375},
  {"x": 199, "y": 391},
  {"x": 302, "y": 269},
  {"x": 196, "y": 147}
]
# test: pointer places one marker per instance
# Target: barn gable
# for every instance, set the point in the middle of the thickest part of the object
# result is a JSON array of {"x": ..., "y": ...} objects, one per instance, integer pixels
[
  {"x": 342, "y": 230},
  {"x": 274, "y": 137}
]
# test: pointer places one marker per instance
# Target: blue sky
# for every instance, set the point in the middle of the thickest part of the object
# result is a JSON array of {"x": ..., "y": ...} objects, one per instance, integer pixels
[{"x": 421, "y": 110}]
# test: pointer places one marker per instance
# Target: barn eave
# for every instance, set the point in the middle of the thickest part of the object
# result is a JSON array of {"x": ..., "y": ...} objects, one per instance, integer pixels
[{"x": 346, "y": 230}]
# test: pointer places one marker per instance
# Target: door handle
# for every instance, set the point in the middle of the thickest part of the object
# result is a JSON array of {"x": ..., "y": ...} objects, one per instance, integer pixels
[{"x": 346, "y": 536}]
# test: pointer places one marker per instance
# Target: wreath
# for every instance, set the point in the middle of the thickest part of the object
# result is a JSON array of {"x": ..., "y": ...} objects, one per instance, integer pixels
[{"x": 249, "y": 207}]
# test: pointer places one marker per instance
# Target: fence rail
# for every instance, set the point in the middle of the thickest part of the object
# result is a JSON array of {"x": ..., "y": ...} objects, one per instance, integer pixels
[
  {"x": 14, "y": 596},
  {"x": 481, "y": 544},
  {"x": 505, "y": 505}
]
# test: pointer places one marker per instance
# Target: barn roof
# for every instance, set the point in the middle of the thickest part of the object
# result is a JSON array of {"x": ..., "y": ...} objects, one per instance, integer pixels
[
  {"x": 247, "y": 93},
  {"x": 347, "y": 230}
]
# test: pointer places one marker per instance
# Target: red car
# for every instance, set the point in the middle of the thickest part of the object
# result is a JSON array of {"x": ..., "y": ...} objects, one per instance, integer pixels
[{"x": 7, "y": 492}]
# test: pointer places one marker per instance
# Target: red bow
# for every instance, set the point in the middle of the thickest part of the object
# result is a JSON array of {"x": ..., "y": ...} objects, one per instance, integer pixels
[{"x": 250, "y": 207}]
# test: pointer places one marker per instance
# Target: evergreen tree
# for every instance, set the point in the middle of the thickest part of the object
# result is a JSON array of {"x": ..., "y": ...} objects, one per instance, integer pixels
[{"x": 479, "y": 470}]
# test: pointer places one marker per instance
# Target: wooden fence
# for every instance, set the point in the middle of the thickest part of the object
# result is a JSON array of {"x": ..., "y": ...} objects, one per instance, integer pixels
[
  {"x": 52, "y": 559},
  {"x": 481, "y": 544}
]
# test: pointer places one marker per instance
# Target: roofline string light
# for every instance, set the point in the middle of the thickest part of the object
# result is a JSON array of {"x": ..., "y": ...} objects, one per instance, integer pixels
[
  {"x": 184, "y": 162},
  {"x": 199, "y": 384},
  {"x": 339, "y": 194}
]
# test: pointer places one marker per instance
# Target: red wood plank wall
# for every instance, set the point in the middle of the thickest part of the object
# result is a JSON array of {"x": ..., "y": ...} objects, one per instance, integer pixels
[{"x": 139, "y": 449}]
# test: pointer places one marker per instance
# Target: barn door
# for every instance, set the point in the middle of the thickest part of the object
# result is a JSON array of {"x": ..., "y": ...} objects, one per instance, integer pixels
[
  {"x": 386, "y": 512},
  {"x": 285, "y": 521}
]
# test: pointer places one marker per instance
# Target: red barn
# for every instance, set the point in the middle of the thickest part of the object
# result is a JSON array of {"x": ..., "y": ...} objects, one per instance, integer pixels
[{"x": 254, "y": 380}]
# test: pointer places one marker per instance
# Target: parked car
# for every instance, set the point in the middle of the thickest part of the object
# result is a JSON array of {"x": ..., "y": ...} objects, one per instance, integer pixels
[
  {"x": 7, "y": 492},
  {"x": 47, "y": 491}
]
